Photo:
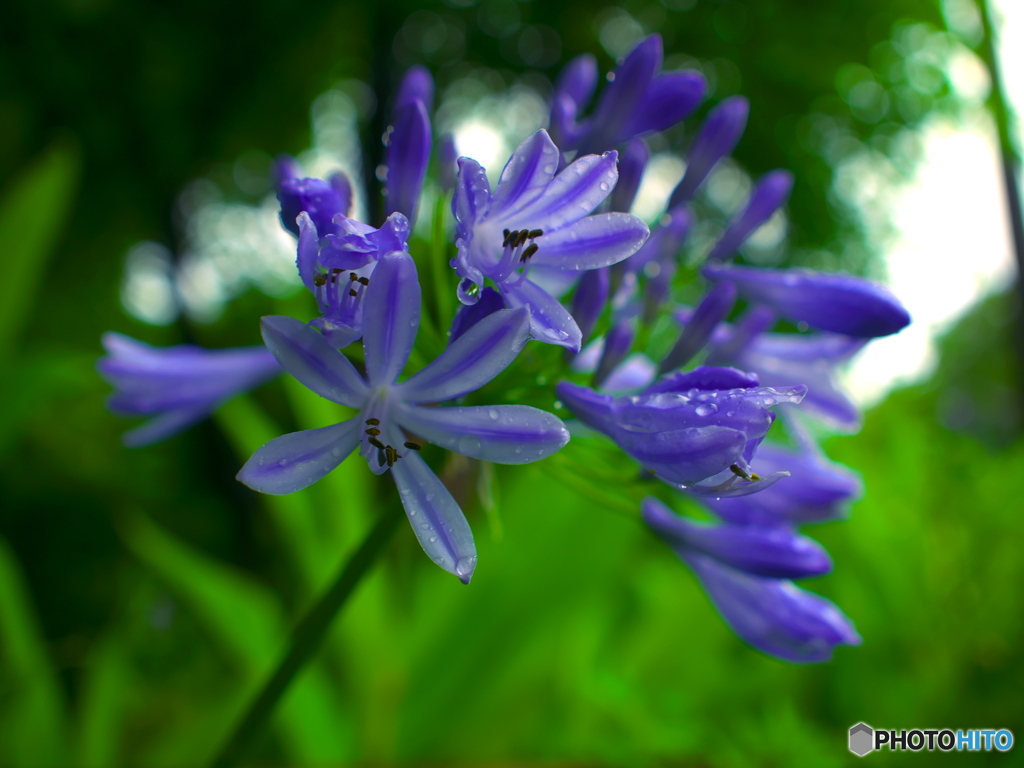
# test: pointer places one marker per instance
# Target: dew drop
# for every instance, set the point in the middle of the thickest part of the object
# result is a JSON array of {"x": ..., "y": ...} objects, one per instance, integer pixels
[
  {"x": 468, "y": 444},
  {"x": 493, "y": 414},
  {"x": 706, "y": 409},
  {"x": 604, "y": 186}
]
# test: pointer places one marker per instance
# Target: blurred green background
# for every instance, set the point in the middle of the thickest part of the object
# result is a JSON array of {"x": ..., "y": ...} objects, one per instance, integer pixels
[{"x": 144, "y": 593}]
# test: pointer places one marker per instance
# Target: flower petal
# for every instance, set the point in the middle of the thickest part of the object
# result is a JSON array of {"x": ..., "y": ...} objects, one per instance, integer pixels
[
  {"x": 774, "y": 615},
  {"x": 435, "y": 516},
  {"x": 297, "y": 460},
  {"x": 770, "y": 194},
  {"x": 309, "y": 357},
  {"x": 166, "y": 424},
  {"x": 578, "y": 79},
  {"x": 472, "y": 195},
  {"x": 307, "y": 251},
  {"x": 417, "y": 83},
  {"x": 550, "y": 322},
  {"x": 526, "y": 174},
  {"x": 711, "y": 311},
  {"x": 831, "y": 302},
  {"x": 472, "y": 360},
  {"x": 670, "y": 99},
  {"x": 632, "y": 164},
  {"x": 775, "y": 552},
  {"x": 570, "y": 196},
  {"x": 391, "y": 317},
  {"x": 589, "y": 298},
  {"x": 592, "y": 242},
  {"x": 504, "y": 434},
  {"x": 624, "y": 96}
]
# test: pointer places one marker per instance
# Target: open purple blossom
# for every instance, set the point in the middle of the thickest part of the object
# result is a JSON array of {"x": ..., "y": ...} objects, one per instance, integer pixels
[
  {"x": 535, "y": 218},
  {"x": 639, "y": 99},
  {"x": 321, "y": 199},
  {"x": 697, "y": 431},
  {"x": 392, "y": 421},
  {"x": 770, "y": 613},
  {"x": 177, "y": 386}
]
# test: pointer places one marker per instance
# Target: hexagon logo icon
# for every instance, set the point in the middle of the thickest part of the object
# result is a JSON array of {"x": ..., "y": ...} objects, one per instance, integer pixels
[{"x": 861, "y": 739}]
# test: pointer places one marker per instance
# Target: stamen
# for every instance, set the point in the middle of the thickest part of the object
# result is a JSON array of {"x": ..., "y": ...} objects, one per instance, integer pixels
[
  {"x": 373, "y": 422},
  {"x": 410, "y": 444},
  {"x": 391, "y": 455},
  {"x": 319, "y": 279},
  {"x": 532, "y": 249},
  {"x": 376, "y": 443},
  {"x": 743, "y": 474},
  {"x": 353, "y": 292},
  {"x": 536, "y": 233},
  {"x": 353, "y": 276},
  {"x": 507, "y": 233},
  {"x": 373, "y": 431},
  {"x": 364, "y": 280},
  {"x": 524, "y": 235}
]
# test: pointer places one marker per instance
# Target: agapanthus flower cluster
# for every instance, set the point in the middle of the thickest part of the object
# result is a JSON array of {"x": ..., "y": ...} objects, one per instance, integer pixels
[{"x": 552, "y": 255}]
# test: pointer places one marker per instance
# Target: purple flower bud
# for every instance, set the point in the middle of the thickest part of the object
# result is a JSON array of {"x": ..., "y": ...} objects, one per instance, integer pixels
[
  {"x": 447, "y": 162},
  {"x": 773, "y": 615},
  {"x": 830, "y": 302},
  {"x": 417, "y": 85},
  {"x": 617, "y": 344},
  {"x": 717, "y": 138},
  {"x": 714, "y": 308},
  {"x": 489, "y": 302},
  {"x": 408, "y": 155},
  {"x": 578, "y": 80},
  {"x": 589, "y": 299},
  {"x": 775, "y": 552},
  {"x": 770, "y": 194},
  {"x": 321, "y": 199},
  {"x": 632, "y": 163}
]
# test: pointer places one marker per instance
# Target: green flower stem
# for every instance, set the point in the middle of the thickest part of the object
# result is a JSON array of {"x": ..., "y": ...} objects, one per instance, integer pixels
[
  {"x": 307, "y": 637},
  {"x": 442, "y": 273}
]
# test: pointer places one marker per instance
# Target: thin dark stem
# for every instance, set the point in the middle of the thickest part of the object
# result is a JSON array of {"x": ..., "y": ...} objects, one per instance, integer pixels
[
  {"x": 1010, "y": 161},
  {"x": 307, "y": 638}
]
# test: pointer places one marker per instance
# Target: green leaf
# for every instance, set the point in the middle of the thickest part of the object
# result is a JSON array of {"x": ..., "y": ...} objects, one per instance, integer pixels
[
  {"x": 32, "y": 721},
  {"x": 102, "y": 708},
  {"x": 33, "y": 210}
]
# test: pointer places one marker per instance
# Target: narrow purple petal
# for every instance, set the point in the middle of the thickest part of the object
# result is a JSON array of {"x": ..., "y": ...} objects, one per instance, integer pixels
[
  {"x": 322, "y": 200},
  {"x": 773, "y": 615},
  {"x": 526, "y": 175},
  {"x": 634, "y": 373},
  {"x": 166, "y": 424},
  {"x": 447, "y": 162},
  {"x": 550, "y": 322},
  {"x": 417, "y": 84},
  {"x": 309, "y": 357},
  {"x": 391, "y": 317},
  {"x": 705, "y": 377},
  {"x": 717, "y": 138},
  {"x": 670, "y": 99},
  {"x": 595, "y": 241},
  {"x": 408, "y": 155},
  {"x": 297, "y": 460},
  {"x": 712, "y": 310},
  {"x": 435, "y": 516},
  {"x": 664, "y": 243},
  {"x": 504, "y": 434},
  {"x": 774, "y": 552},
  {"x": 592, "y": 408},
  {"x": 589, "y": 299},
  {"x": 830, "y": 302},
  {"x": 565, "y": 131},
  {"x": 770, "y": 194},
  {"x": 617, "y": 344},
  {"x": 632, "y": 164},
  {"x": 308, "y": 250},
  {"x": 571, "y": 195},
  {"x": 472, "y": 195},
  {"x": 472, "y": 360}
]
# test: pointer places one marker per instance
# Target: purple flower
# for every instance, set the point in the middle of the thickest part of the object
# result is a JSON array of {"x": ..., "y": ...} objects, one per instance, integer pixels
[
  {"x": 770, "y": 194},
  {"x": 321, "y": 200},
  {"x": 637, "y": 100},
  {"x": 842, "y": 304},
  {"x": 697, "y": 431},
  {"x": 178, "y": 386},
  {"x": 537, "y": 218},
  {"x": 337, "y": 269},
  {"x": 391, "y": 415},
  {"x": 768, "y": 612}
]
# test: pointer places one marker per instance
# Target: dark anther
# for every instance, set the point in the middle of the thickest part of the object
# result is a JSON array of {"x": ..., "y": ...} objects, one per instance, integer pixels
[
  {"x": 353, "y": 276},
  {"x": 409, "y": 444},
  {"x": 319, "y": 279},
  {"x": 353, "y": 292},
  {"x": 373, "y": 431},
  {"x": 376, "y": 443},
  {"x": 373, "y": 422},
  {"x": 536, "y": 233},
  {"x": 507, "y": 233},
  {"x": 510, "y": 237},
  {"x": 524, "y": 235},
  {"x": 364, "y": 280},
  {"x": 337, "y": 271},
  {"x": 391, "y": 455},
  {"x": 532, "y": 249},
  {"x": 742, "y": 473}
]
